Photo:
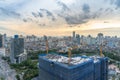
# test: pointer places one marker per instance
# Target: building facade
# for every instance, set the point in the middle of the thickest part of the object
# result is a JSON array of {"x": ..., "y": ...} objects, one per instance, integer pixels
[
  {"x": 1, "y": 41},
  {"x": 17, "y": 48},
  {"x": 87, "y": 69},
  {"x": 78, "y": 38}
]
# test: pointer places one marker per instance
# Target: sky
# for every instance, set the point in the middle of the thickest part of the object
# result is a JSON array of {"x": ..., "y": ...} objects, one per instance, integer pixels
[{"x": 60, "y": 17}]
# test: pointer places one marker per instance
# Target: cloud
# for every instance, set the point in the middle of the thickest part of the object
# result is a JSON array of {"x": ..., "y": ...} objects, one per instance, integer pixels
[
  {"x": 44, "y": 13},
  {"x": 38, "y": 14},
  {"x": 4, "y": 13},
  {"x": 10, "y": 30},
  {"x": 48, "y": 13},
  {"x": 76, "y": 19},
  {"x": 112, "y": 2},
  {"x": 35, "y": 15},
  {"x": 81, "y": 12},
  {"x": 73, "y": 16},
  {"x": 27, "y": 20},
  {"x": 86, "y": 8},
  {"x": 76, "y": 13},
  {"x": 108, "y": 11},
  {"x": 117, "y": 3},
  {"x": 105, "y": 22},
  {"x": 42, "y": 24},
  {"x": 41, "y": 17},
  {"x": 64, "y": 7}
]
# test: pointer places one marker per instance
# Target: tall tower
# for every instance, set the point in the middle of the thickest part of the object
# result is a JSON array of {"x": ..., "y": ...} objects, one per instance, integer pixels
[
  {"x": 100, "y": 43},
  {"x": 89, "y": 40},
  {"x": 78, "y": 38},
  {"x": 100, "y": 38},
  {"x": 73, "y": 34},
  {"x": 4, "y": 40},
  {"x": 17, "y": 48}
]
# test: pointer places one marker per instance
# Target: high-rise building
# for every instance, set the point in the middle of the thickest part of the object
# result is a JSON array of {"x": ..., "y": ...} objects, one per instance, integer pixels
[
  {"x": 78, "y": 38},
  {"x": 89, "y": 40},
  {"x": 73, "y": 34},
  {"x": 74, "y": 39},
  {"x": 83, "y": 40},
  {"x": 1, "y": 41},
  {"x": 57, "y": 67},
  {"x": 17, "y": 48},
  {"x": 2, "y": 45},
  {"x": 45, "y": 37},
  {"x": 4, "y": 40},
  {"x": 100, "y": 38}
]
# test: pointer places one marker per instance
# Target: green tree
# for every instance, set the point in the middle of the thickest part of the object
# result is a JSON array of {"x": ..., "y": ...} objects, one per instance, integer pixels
[{"x": 17, "y": 77}]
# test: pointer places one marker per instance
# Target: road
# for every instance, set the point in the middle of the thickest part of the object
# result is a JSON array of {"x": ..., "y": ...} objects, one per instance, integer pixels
[{"x": 5, "y": 71}]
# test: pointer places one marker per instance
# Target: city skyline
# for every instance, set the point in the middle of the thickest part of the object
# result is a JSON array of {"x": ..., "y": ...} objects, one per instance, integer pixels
[{"x": 60, "y": 17}]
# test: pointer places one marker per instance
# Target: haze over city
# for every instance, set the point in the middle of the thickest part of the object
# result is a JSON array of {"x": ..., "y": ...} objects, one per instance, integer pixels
[{"x": 60, "y": 17}]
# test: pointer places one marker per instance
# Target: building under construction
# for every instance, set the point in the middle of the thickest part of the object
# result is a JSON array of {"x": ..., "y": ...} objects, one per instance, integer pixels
[{"x": 57, "y": 67}]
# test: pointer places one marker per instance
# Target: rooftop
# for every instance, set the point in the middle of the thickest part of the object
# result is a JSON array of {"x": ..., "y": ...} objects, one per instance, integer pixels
[{"x": 65, "y": 60}]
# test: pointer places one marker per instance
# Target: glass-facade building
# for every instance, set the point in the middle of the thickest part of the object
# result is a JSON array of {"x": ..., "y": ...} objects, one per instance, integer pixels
[
  {"x": 17, "y": 47},
  {"x": 89, "y": 70}
]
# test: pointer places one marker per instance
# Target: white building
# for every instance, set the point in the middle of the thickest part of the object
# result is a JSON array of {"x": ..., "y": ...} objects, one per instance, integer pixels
[
  {"x": 2, "y": 52},
  {"x": 100, "y": 39},
  {"x": 61, "y": 43}
]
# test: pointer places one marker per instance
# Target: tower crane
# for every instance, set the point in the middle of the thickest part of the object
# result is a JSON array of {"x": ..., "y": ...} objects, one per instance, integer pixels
[
  {"x": 47, "y": 46},
  {"x": 101, "y": 53},
  {"x": 46, "y": 40},
  {"x": 101, "y": 48},
  {"x": 69, "y": 55}
]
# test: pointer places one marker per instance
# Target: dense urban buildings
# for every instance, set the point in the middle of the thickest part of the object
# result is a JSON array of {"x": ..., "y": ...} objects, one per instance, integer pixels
[{"x": 17, "y": 47}]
